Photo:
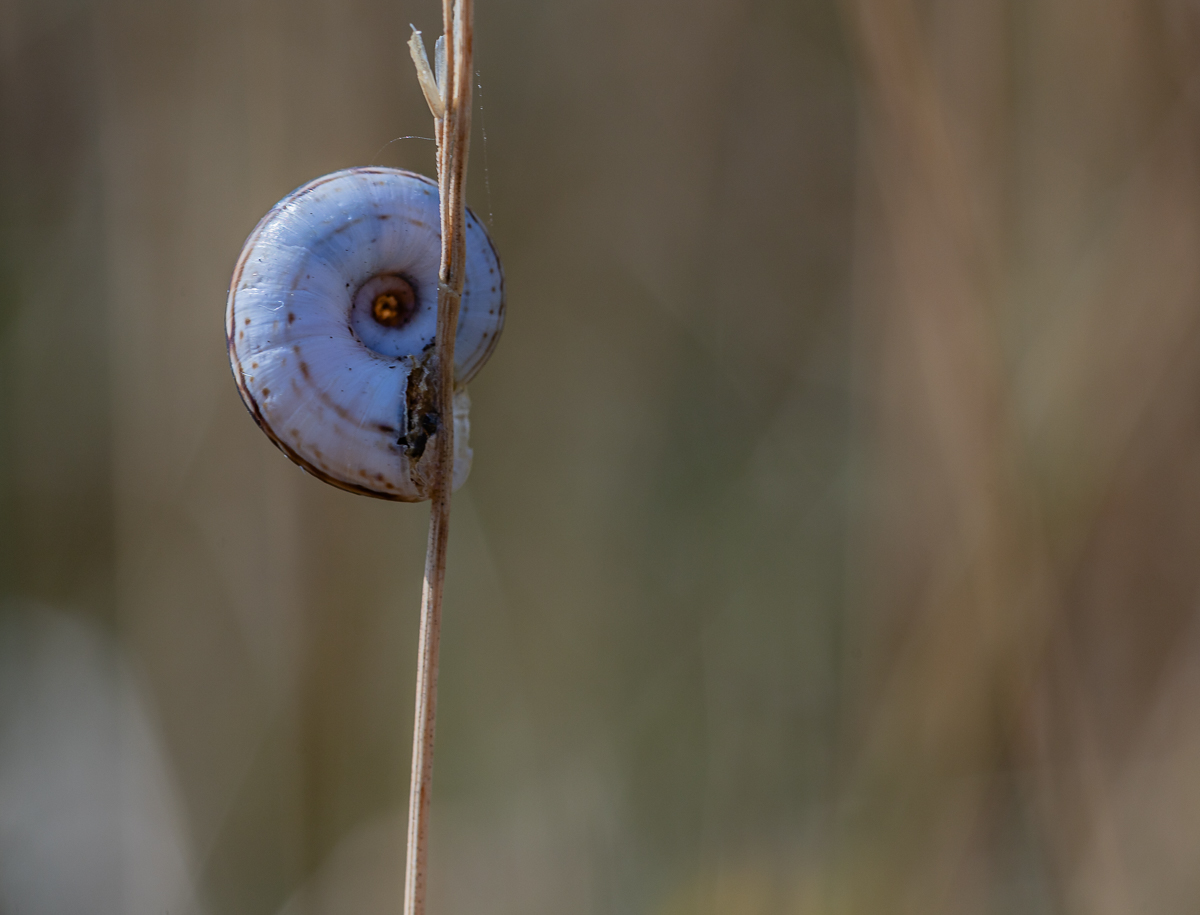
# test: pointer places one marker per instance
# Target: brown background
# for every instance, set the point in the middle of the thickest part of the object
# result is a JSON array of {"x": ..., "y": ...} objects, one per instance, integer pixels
[{"x": 833, "y": 542}]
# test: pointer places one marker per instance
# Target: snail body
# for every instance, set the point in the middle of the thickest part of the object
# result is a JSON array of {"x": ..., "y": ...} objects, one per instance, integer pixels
[{"x": 331, "y": 327}]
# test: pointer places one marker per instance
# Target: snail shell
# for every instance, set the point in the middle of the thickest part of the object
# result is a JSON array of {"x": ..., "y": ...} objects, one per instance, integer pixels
[{"x": 331, "y": 325}]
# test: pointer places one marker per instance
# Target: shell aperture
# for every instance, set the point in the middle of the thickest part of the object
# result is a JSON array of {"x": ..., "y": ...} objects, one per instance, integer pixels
[{"x": 331, "y": 323}]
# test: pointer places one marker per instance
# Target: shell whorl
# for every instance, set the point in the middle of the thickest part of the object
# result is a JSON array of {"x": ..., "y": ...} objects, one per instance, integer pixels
[{"x": 331, "y": 322}]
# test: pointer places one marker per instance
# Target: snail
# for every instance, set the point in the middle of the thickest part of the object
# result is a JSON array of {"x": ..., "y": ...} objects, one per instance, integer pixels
[{"x": 331, "y": 325}]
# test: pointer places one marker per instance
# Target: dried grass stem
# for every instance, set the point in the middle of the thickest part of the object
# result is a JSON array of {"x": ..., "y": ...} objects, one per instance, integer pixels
[{"x": 453, "y": 131}]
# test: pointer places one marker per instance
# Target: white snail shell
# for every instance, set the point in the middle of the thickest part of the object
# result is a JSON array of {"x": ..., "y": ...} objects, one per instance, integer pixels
[{"x": 331, "y": 324}]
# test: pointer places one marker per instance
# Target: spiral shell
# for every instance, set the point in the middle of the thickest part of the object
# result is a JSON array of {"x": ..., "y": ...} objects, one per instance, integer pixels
[{"x": 331, "y": 325}]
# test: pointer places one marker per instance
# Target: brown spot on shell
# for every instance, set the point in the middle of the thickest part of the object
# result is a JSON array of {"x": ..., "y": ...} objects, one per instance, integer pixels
[
  {"x": 395, "y": 303},
  {"x": 323, "y": 395}
]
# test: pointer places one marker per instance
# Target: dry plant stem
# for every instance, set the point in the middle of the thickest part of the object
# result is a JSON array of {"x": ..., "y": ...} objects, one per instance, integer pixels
[{"x": 453, "y": 132}]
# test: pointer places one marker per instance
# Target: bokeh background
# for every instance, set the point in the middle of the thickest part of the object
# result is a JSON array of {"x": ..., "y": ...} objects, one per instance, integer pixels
[{"x": 833, "y": 542}]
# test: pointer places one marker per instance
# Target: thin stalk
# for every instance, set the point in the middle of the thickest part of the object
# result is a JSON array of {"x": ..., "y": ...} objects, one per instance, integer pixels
[{"x": 453, "y": 131}]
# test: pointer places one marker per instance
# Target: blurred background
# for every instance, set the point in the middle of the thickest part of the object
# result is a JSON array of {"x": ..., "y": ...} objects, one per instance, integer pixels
[{"x": 833, "y": 542}]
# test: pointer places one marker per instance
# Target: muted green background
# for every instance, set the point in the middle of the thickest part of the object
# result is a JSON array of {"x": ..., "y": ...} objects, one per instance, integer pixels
[{"x": 830, "y": 546}]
